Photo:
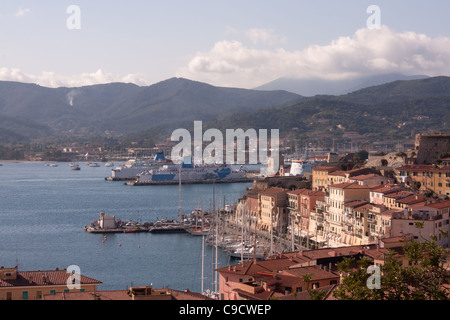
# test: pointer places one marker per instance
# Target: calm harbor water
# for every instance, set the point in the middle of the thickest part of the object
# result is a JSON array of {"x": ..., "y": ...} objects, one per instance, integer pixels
[{"x": 43, "y": 211}]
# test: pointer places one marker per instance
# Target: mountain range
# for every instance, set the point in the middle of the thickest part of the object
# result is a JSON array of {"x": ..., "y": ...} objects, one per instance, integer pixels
[
  {"x": 313, "y": 87},
  {"x": 29, "y": 112}
]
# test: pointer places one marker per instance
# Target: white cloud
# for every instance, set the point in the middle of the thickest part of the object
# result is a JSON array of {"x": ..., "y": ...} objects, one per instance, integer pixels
[
  {"x": 22, "y": 12},
  {"x": 53, "y": 80},
  {"x": 232, "y": 63},
  {"x": 265, "y": 36}
]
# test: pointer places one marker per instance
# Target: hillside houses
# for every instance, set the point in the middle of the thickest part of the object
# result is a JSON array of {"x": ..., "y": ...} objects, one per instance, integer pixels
[{"x": 346, "y": 208}]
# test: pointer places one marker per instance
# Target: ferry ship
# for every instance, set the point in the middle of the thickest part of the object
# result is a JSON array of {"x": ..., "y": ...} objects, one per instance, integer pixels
[
  {"x": 132, "y": 168},
  {"x": 189, "y": 173},
  {"x": 300, "y": 167}
]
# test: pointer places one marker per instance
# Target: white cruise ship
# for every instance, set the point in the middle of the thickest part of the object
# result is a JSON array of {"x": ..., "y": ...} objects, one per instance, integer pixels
[
  {"x": 191, "y": 174},
  {"x": 132, "y": 168}
]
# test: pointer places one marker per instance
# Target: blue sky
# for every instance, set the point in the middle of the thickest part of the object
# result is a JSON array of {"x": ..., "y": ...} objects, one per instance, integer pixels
[{"x": 230, "y": 43}]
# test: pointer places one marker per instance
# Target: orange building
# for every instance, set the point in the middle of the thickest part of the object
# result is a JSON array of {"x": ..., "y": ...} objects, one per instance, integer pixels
[{"x": 33, "y": 285}]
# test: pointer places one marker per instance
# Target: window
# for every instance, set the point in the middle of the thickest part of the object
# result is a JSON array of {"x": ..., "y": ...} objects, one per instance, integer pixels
[
  {"x": 52, "y": 291},
  {"x": 24, "y": 295},
  {"x": 315, "y": 285}
]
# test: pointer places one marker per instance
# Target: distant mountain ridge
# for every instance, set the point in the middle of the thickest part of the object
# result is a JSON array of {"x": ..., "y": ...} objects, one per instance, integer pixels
[
  {"x": 124, "y": 108},
  {"x": 29, "y": 111},
  {"x": 313, "y": 87},
  {"x": 395, "y": 110}
]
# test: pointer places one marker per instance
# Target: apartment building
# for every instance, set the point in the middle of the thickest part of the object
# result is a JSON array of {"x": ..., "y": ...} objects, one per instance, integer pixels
[
  {"x": 424, "y": 222},
  {"x": 426, "y": 178},
  {"x": 338, "y": 196},
  {"x": 272, "y": 207}
]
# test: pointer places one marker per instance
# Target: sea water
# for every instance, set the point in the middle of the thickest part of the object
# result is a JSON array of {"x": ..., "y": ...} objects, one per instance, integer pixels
[{"x": 44, "y": 209}]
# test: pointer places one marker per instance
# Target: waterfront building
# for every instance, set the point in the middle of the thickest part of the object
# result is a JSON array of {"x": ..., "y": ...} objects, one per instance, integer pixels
[
  {"x": 34, "y": 285},
  {"x": 273, "y": 210},
  {"x": 300, "y": 204}
]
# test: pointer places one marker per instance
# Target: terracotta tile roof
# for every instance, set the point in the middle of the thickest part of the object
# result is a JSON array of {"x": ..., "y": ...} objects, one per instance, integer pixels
[
  {"x": 43, "y": 278},
  {"x": 398, "y": 194},
  {"x": 364, "y": 208},
  {"x": 386, "y": 188},
  {"x": 297, "y": 191},
  {"x": 316, "y": 273},
  {"x": 270, "y": 265},
  {"x": 390, "y": 212},
  {"x": 307, "y": 192},
  {"x": 365, "y": 176},
  {"x": 329, "y": 169},
  {"x": 355, "y": 204},
  {"x": 439, "y": 205},
  {"x": 348, "y": 185},
  {"x": 121, "y": 295},
  {"x": 272, "y": 191},
  {"x": 429, "y": 168},
  {"x": 338, "y": 173},
  {"x": 304, "y": 295},
  {"x": 259, "y": 295},
  {"x": 332, "y": 252},
  {"x": 187, "y": 295},
  {"x": 98, "y": 295},
  {"x": 411, "y": 199},
  {"x": 416, "y": 167}
]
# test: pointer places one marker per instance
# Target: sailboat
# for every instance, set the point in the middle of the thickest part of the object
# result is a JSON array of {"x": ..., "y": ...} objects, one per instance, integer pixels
[{"x": 199, "y": 230}]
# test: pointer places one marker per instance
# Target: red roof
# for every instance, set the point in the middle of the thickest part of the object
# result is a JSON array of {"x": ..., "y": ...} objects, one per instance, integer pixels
[
  {"x": 43, "y": 278},
  {"x": 272, "y": 191},
  {"x": 329, "y": 169},
  {"x": 439, "y": 205},
  {"x": 349, "y": 185}
]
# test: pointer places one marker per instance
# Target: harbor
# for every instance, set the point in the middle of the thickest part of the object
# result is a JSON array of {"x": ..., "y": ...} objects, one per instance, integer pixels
[
  {"x": 223, "y": 230},
  {"x": 44, "y": 231}
]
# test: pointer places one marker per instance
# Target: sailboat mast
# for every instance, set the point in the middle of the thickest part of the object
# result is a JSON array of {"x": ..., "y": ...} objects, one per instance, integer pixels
[
  {"x": 217, "y": 237},
  {"x": 203, "y": 260},
  {"x": 242, "y": 233},
  {"x": 179, "y": 191}
]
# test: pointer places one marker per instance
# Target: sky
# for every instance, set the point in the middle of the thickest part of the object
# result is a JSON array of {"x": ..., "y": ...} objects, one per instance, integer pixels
[{"x": 58, "y": 43}]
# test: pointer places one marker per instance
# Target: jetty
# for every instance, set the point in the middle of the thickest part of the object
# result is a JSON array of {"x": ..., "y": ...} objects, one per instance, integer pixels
[
  {"x": 108, "y": 224},
  {"x": 174, "y": 182}
]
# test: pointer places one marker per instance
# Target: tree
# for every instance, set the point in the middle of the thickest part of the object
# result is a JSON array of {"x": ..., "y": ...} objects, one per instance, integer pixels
[{"x": 423, "y": 279}]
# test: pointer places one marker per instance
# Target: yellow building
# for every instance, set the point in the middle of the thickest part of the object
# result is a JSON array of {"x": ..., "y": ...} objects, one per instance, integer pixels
[
  {"x": 33, "y": 285},
  {"x": 426, "y": 178},
  {"x": 320, "y": 177}
]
